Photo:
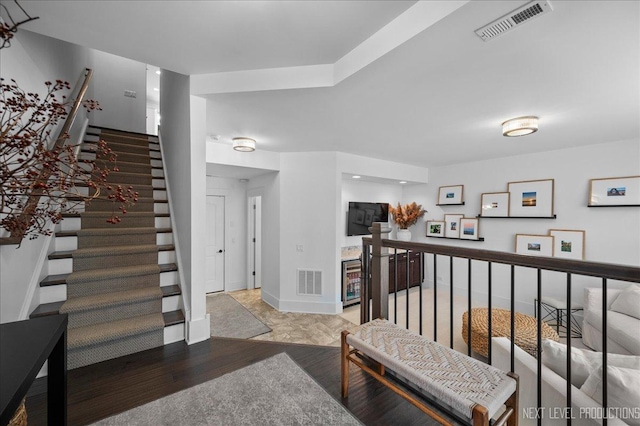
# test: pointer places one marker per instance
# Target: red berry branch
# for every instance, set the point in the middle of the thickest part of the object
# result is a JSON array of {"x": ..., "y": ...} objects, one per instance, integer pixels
[{"x": 40, "y": 178}]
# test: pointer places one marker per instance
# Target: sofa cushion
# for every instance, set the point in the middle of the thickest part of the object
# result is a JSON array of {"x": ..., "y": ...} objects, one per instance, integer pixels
[
  {"x": 583, "y": 362},
  {"x": 623, "y": 392},
  {"x": 621, "y": 328},
  {"x": 628, "y": 302}
]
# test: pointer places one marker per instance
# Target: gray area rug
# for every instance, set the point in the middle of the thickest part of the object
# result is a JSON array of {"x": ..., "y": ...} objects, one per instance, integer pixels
[
  {"x": 275, "y": 391},
  {"x": 230, "y": 319}
]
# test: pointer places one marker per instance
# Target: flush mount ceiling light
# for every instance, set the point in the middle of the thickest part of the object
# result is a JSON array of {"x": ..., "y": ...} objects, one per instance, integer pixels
[
  {"x": 355, "y": 177},
  {"x": 244, "y": 144},
  {"x": 520, "y": 126}
]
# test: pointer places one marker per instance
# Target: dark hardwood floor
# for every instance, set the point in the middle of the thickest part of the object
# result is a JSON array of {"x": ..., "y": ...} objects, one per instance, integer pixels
[{"x": 101, "y": 390}]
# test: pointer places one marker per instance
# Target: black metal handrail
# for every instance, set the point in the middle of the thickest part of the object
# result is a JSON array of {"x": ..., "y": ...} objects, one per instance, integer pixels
[{"x": 376, "y": 289}]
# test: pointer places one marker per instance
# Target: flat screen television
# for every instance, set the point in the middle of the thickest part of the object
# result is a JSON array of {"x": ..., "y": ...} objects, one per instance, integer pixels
[{"x": 362, "y": 215}]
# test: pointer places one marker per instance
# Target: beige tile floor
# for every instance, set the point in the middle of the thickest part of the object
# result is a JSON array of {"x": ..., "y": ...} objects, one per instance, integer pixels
[{"x": 319, "y": 329}]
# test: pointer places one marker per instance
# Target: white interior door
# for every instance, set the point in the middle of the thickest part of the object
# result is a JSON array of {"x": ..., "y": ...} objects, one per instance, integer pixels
[{"x": 215, "y": 244}]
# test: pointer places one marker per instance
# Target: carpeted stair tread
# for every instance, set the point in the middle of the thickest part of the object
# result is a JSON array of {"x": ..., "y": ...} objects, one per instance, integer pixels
[
  {"x": 75, "y": 233},
  {"x": 78, "y": 277},
  {"x": 105, "y": 332},
  {"x": 114, "y": 231},
  {"x": 114, "y": 250},
  {"x": 118, "y": 146},
  {"x": 111, "y": 299},
  {"x": 61, "y": 279}
]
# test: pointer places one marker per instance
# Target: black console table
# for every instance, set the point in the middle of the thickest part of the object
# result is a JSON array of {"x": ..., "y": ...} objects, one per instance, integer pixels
[{"x": 24, "y": 347}]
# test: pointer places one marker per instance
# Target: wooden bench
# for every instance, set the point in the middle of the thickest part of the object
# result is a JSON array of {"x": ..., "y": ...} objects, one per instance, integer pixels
[{"x": 470, "y": 387}]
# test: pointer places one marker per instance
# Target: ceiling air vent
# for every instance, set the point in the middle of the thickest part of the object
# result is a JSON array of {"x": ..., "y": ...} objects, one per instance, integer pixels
[{"x": 514, "y": 19}]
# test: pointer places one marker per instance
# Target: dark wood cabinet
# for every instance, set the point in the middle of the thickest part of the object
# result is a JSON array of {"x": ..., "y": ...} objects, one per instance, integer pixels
[{"x": 415, "y": 272}]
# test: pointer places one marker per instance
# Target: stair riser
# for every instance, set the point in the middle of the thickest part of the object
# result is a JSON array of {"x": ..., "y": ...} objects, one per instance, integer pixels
[
  {"x": 121, "y": 347},
  {"x": 71, "y": 243},
  {"x": 156, "y": 162},
  {"x": 130, "y": 168},
  {"x": 173, "y": 333},
  {"x": 157, "y": 173},
  {"x": 172, "y": 303},
  {"x": 169, "y": 278},
  {"x": 65, "y": 266},
  {"x": 114, "y": 313}
]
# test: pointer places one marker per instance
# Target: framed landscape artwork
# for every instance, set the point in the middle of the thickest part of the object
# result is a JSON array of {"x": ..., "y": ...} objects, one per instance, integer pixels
[
  {"x": 494, "y": 204},
  {"x": 533, "y": 198},
  {"x": 620, "y": 191},
  {"x": 452, "y": 225},
  {"x": 450, "y": 194},
  {"x": 534, "y": 245},
  {"x": 435, "y": 228},
  {"x": 469, "y": 228},
  {"x": 567, "y": 243}
]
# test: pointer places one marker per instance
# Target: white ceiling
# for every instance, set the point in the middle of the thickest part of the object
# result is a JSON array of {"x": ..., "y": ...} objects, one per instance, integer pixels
[{"x": 437, "y": 99}]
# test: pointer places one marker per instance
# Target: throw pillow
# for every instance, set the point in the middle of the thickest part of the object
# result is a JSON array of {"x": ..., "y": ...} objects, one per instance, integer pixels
[
  {"x": 628, "y": 302},
  {"x": 623, "y": 392},
  {"x": 583, "y": 362}
]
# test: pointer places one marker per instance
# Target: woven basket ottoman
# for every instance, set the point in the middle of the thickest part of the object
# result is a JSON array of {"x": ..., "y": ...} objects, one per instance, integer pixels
[{"x": 526, "y": 333}]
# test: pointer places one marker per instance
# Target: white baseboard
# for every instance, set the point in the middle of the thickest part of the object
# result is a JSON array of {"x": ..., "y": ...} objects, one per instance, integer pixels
[{"x": 198, "y": 330}]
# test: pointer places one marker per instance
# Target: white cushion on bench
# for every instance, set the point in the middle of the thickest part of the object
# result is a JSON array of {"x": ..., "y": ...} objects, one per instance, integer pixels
[{"x": 450, "y": 376}]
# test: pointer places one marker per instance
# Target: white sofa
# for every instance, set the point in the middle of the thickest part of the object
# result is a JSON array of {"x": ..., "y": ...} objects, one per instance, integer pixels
[
  {"x": 623, "y": 331},
  {"x": 554, "y": 389}
]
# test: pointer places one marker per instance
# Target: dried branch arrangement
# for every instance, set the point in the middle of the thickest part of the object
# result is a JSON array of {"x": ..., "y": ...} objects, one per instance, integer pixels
[
  {"x": 41, "y": 178},
  {"x": 407, "y": 215}
]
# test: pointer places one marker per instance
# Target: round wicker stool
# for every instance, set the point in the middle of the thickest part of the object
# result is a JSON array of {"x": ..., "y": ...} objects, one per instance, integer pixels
[{"x": 526, "y": 333}]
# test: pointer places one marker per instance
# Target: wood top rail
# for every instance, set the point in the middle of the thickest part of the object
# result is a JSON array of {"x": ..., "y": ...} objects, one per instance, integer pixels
[{"x": 580, "y": 267}]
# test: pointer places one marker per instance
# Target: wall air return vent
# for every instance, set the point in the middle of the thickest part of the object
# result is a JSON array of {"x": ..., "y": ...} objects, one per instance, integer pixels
[
  {"x": 514, "y": 19},
  {"x": 309, "y": 282}
]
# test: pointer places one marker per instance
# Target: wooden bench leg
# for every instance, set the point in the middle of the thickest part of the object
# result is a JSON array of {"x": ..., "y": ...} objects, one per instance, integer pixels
[
  {"x": 512, "y": 402},
  {"x": 480, "y": 416},
  {"x": 344, "y": 364}
]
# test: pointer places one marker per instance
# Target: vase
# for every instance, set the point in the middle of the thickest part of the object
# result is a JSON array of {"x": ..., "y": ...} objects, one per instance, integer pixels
[{"x": 403, "y": 234}]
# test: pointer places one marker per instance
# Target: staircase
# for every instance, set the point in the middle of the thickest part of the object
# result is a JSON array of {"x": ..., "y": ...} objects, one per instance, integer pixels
[{"x": 118, "y": 283}]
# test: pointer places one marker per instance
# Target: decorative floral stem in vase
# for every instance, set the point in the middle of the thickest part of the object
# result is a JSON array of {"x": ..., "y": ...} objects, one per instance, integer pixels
[{"x": 406, "y": 216}]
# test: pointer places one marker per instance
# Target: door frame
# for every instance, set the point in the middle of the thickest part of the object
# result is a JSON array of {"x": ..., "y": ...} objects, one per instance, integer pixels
[{"x": 254, "y": 228}]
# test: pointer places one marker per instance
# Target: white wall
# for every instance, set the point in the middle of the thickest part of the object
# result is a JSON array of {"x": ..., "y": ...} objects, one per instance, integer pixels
[
  {"x": 112, "y": 75},
  {"x": 612, "y": 234},
  {"x": 310, "y": 194},
  {"x": 183, "y": 146},
  {"x": 235, "y": 227}
]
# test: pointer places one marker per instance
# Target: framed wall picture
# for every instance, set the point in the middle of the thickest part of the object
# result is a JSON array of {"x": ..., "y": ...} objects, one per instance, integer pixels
[
  {"x": 534, "y": 245},
  {"x": 620, "y": 191},
  {"x": 568, "y": 243},
  {"x": 533, "y": 198},
  {"x": 435, "y": 228},
  {"x": 450, "y": 194},
  {"x": 494, "y": 204},
  {"x": 452, "y": 225},
  {"x": 469, "y": 228}
]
